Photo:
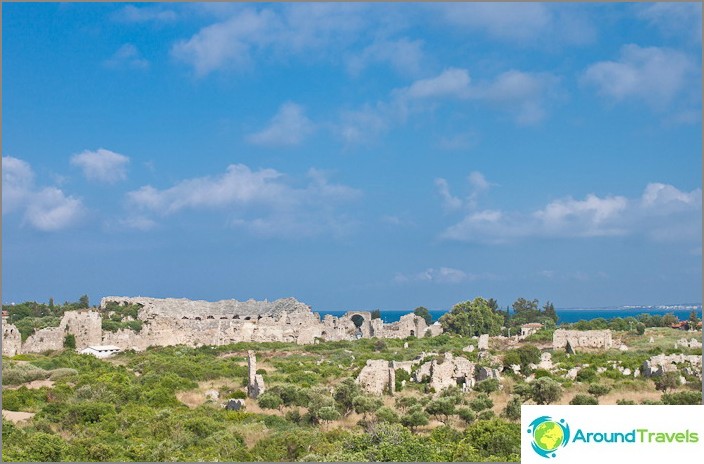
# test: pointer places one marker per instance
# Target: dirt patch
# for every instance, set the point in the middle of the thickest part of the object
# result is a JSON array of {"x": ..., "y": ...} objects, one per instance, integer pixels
[
  {"x": 196, "y": 397},
  {"x": 33, "y": 385},
  {"x": 17, "y": 416}
]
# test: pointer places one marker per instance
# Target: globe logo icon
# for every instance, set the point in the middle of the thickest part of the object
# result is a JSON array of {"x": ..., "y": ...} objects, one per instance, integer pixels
[{"x": 548, "y": 435}]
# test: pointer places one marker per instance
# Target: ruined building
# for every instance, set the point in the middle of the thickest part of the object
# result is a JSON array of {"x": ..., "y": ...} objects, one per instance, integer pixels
[{"x": 173, "y": 321}]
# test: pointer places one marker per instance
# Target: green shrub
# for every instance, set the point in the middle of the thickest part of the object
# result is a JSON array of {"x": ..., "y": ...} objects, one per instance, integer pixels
[
  {"x": 487, "y": 386},
  {"x": 625, "y": 402},
  {"x": 584, "y": 399},
  {"x": 685, "y": 397},
  {"x": 481, "y": 402}
]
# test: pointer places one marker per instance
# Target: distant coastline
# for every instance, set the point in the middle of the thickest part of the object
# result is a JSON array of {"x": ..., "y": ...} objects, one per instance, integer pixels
[{"x": 565, "y": 314}]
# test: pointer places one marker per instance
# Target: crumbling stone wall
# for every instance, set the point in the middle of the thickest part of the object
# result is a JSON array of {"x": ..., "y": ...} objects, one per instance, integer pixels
[
  {"x": 11, "y": 340},
  {"x": 377, "y": 376},
  {"x": 446, "y": 372},
  {"x": 174, "y": 321},
  {"x": 581, "y": 338}
]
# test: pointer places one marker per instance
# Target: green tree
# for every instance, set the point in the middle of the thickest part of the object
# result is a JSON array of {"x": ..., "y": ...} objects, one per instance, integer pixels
[
  {"x": 366, "y": 404},
  {"x": 376, "y": 314},
  {"x": 549, "y": 311},
  {"x": 422, "y": 311},
  {"x": 269, "y": 400},
  {"x": 481, "y": 402},
  {"x": 523, "y": 390},
  {"x": 693, "y": 320},
  {"x": 415, "y": 418},
  {"x": 328, "y": 414},
  {"x": 584, "y": 399},
  {"x": 512, "y": 411},
  {"x": 640, "y": 328},
  {"x": 83, "y": 302},
  {"x": 471, "y": 318},
  {"x": 598, "y": 390},
  {"x": 546, "y": 391},
  {"x": 345, "y": 393},
  {"x": 386, "y": 414},
  {"x": 496, "y": 438},
  {"x": 441, "y": 408},
  {"x": 669, "y": 319},
  {"x": 487, "y": 386},
  {"x": 466, "y": 414},
  {"x": 667, "y": 381}
]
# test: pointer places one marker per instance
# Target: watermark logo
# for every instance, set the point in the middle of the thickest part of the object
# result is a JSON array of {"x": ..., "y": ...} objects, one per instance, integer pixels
[{"x": 548, "y": 435}]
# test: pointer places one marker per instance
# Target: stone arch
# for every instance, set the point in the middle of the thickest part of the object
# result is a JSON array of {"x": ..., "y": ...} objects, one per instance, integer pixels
[
  {"x": 413, "y": 333},
  {"x": 210, "y": 317},
  {"x": 357, "y": 320},
  {"x": 236, "y": 316},
  {"x": 198, "y": 318}
]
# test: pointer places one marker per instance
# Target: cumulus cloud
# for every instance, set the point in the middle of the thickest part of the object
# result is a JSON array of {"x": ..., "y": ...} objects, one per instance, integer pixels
[
  {"x": 404, "y": 55},
  {"x": 443, "y": 275},
  {"x": 478, "y": 184},
  {"x": 674, "y": 19},
  {"x": 654, "y": 75},
  {"x": 288, "y": 127},
  {"x": 662, "y": 212},
  {"x": 263, "y": 202},
  {"x": 524, "y": 95},
  {"x": 46, "y": 209},
  {"x": 292, "y": 29},
  {"x": 127, "y": 56},
  {"x": 102, "y": 165}
]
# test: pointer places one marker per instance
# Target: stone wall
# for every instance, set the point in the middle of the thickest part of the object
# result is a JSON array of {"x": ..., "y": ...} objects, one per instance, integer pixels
[
  {"x": 174, "y": 321},
  {"x": 11, "y": 339},
  {"x": 377, "y": 376},
  {"x": 581, "y": 338}
]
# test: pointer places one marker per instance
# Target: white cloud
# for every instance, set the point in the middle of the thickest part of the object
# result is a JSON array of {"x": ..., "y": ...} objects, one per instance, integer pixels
[
  {"x": 505, "y": 21},
  {"x": 674, "y": 19},
  {"x": 288, "y": 127},
  {"x": 46, "y": 209},
  {"x": 225, "y": 43},
  {"x": 102, "y": 165},
  {"x": 651, "y": 74},
  {"x": 262, "y": 201},
  {"x": 662, "y": 213},
  {"x": 404, "y": 55},
  {"x": 292, "y": 29},
  {"x": 141, "y": 223},
  {"x": 127, "y": 56},
  {"x": 17, "y": 183},
  {"x": 133, "y": 14},
  {"x": 449, "y": 201},
  {"x": 523, "y": 95},
  {"x": 358, "y": 126},
  {"x": 443, "y": 275},
  {"x": 478, "y": 184},
  {"x": 452, "y": 82}
]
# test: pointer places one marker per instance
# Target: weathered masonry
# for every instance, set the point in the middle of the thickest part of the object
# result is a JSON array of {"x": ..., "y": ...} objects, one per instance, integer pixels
[{"x": 173, "y": 321}]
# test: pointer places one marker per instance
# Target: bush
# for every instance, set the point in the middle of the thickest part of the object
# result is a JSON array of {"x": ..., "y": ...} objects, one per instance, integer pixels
[
  {"x": 387, "y": 414},
  {"x": 546, "y": 391},
  {"x": 667, "y": 381},
  {"x": 625, "y": 402},
  {"x": 481, "y": 402},
  {"x": 584, "y": 399},
  {"x": 466, "y": 414},
  {"x": 485, "y": 415},
  {"x": 598, "y": 390},
  {"x": 512, "y": 411},
  {"x": 682, "y": 398},
  {"x": 70, "y": 341},
  {"x": 270, "y": 400},
  {"x": 487, "y": 386},
  {"x": 586, "y": 375}
]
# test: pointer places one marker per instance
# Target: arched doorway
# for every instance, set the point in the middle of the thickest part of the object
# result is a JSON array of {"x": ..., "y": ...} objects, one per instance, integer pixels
[{"x": 358, "y": 320}]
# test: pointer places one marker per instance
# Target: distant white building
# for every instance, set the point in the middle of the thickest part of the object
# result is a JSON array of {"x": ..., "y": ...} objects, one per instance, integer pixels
[{"x": 101, "y": 351}]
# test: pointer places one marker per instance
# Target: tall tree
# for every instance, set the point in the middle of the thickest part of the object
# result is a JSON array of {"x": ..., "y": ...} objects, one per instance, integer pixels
[
  {"x": 422, "y": 311},
  {"x": 471, "y": 318},
  {"x": 549, "y": 311}
]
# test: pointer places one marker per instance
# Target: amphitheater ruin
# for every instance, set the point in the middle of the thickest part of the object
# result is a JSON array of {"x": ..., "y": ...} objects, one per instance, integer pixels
[{"x": 173, "y": 321}]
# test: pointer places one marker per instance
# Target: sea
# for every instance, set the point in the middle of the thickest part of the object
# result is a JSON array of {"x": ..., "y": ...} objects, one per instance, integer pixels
[{"x": 564, "y": 315}]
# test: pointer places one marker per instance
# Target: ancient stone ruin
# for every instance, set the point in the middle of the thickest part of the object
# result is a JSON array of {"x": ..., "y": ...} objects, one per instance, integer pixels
[
  {"x": 658, "y": 365},
  {"x": 173, "y": 321},
  {"x": 574, "y": 339},
  {"x": 255, "y": 382},
  {"x": 377, "y": 377}
]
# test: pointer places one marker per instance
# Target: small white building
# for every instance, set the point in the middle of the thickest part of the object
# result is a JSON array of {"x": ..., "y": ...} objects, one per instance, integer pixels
[{"x": 101, "y": 351}]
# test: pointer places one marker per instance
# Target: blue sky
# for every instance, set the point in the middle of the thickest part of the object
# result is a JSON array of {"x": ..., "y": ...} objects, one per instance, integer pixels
[{"x": 353, "y": 155}]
